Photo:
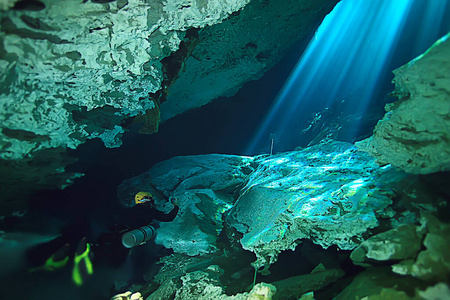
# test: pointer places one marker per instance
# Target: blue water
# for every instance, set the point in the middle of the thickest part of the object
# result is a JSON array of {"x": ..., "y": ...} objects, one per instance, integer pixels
[{"x": 351, "y": 59}]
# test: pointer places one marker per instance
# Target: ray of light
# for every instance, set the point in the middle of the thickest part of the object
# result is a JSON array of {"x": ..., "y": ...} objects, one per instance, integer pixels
[{"x": 347, "y": 58}]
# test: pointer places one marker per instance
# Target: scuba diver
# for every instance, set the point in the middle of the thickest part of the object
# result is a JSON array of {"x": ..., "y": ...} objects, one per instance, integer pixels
[
  {"x": 132, "y": 227},
  {"x": 144, "y": 212},
  {"x": 115, "y": 245}
]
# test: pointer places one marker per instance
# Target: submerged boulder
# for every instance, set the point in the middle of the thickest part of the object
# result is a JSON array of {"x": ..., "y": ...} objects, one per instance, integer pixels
[
  {"x": 399, "y": 243},
  {"x": 331, "y": 194},
  {"x": 433, "y": 261},
  {"x": 414, "y": 134}
]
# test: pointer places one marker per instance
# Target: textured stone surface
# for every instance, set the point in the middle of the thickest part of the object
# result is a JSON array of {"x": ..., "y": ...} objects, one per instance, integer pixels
[
  {"x": 380, "y": 283},
  {"x": 204, "y": 185},
  {"x": 330, "y": 194},
  {"x": 77, "y": 70},
  {"x": 213, "y": 171},
  {"x": 205, "y": 285},
  {"x": 208, "y": 282},
  {"x": 433, "y": 262},
  {"x": 63, "y": 62},
  {"x": 402, "y": 242},
  {"x": 294, "y": 287},
  {"x": 414, "y": 135},
  {"x": 439, "y": 291},
  {"x": 241, "y": 49}
]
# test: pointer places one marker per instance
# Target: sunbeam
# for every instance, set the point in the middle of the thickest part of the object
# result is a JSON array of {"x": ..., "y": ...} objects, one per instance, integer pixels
[{"x": 349, "y": 58}]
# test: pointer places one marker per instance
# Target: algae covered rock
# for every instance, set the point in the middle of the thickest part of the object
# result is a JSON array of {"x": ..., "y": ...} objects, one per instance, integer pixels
[
  {"x": 423, "y": 251},
  {"x": 439, "y": 291},
  {"x": 380, "y": 283},
  {"x": 433, "y": 262},
  {"x": 399, "y": 243},
  {"x": 296, "y": 286},
  {"x": 414, "y": 134}
]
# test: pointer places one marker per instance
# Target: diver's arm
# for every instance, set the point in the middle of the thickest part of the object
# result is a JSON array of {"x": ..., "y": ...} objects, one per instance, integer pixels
[{"x": 161, "y": 216}]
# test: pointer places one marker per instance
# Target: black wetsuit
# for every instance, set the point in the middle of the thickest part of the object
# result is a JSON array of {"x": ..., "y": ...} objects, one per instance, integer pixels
[
  {"x": 143, "y": 214},
  {"x": 109, "y": 245}
]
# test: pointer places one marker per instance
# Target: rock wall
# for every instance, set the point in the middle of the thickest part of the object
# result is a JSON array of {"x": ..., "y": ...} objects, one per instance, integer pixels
[
  {"x": 414, "y": 135},
  {"x": 240, "y": 49},
  {"x": 77, "y": 70},
  {"x": 74, "y": 70}
]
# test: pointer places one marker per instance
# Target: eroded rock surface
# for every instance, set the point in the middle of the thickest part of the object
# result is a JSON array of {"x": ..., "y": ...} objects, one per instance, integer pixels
[
  {"x": 330, "y": 194},
  {"x": 238, "y": 214},
  {"x": 204, "y": 185},
  {"x": 433, "y": 261},
  {"x": 402, "y": 242},
  {"x": 240, "y": 49},
  {"x": 414, "y": 135},
  {"x": 77, "y": 70},
  {"x": 64, "y": 62}
]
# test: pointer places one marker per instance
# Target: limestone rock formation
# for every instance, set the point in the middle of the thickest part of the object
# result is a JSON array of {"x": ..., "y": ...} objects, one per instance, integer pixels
[
  {"x": 74, "y": 70},
  {"x": 205, "y": 285},
  {"x": 414, "y": 135},
  {"x": 418, "y": 253},
  {"x": 77, "y": 70},
  {"x": 204, "y": 185},
  {"x": 433, "y": 262},
  {"x": 320, "y": 277},
  {"x": 330, "y": 194},
  {"x": 399, "y": 243},
  {"x": 238, "y": 214},
  {"x": 208, "y": 282},
  {"x": 380, "y": 283},
  {"x": 241, "y": 49}
]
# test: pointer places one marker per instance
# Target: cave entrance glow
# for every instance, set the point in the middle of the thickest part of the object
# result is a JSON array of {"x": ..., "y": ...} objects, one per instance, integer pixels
[{"x": 350, "y": 58}]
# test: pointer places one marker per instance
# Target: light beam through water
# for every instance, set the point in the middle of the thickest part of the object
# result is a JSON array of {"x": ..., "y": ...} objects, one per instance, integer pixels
[{"x": 349, "y": 58}]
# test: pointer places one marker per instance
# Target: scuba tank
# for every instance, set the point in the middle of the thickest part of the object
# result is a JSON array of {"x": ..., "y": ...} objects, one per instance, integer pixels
[{"x": 138, "y": 236}]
